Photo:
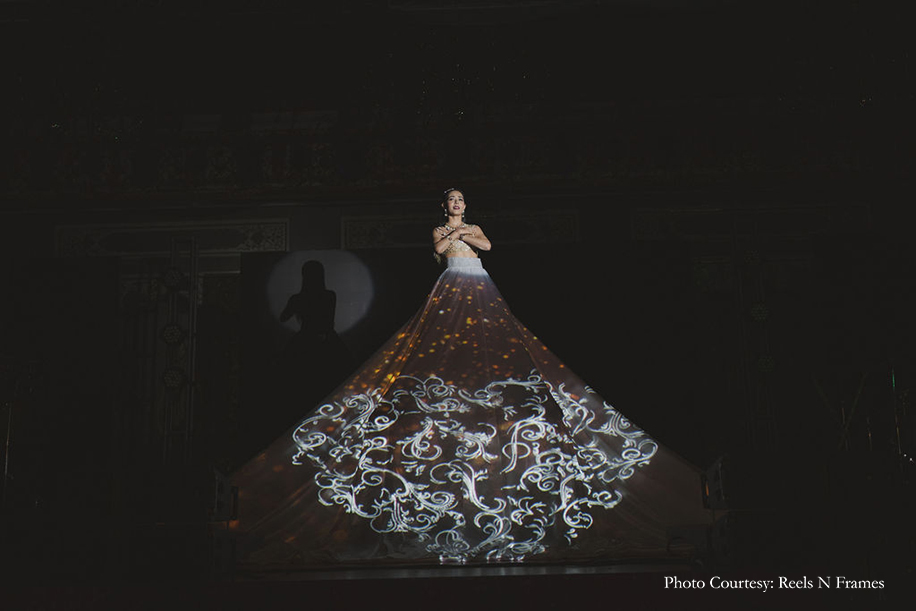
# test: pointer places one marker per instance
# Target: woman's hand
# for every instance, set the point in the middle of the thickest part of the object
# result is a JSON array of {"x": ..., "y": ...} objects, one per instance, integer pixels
[
  {"x": 443, "y": 237},
  {"x": 455, "y": 234},
  {"x": 476, "y": 238}
]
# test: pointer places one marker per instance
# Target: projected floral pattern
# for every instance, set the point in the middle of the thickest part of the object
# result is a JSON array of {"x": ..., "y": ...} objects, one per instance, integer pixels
[{"x": 481, "y": 474}]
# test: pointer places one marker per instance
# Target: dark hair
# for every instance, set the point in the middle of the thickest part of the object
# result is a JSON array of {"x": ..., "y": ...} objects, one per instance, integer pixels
[{"x": 449, "y": 190}]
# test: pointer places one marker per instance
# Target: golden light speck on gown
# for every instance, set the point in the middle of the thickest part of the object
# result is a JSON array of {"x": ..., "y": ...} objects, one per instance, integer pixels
[{"x": 463, "y": 439}]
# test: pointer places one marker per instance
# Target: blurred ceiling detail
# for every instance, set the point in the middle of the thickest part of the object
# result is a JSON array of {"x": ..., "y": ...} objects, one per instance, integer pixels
[{"x": 128, "y": 102}]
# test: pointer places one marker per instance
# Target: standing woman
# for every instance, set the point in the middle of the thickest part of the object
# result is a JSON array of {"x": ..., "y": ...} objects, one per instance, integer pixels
[
  {"x": 464, "y": 440},
  {"x": 456, "y": 238}
]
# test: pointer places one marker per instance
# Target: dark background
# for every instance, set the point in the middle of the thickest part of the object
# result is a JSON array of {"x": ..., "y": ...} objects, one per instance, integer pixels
[{"x": 701, "y": 207}]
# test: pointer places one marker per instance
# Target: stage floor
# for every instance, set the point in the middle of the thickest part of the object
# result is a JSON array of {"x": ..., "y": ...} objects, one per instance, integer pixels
[{"x": 521, "y": 588}]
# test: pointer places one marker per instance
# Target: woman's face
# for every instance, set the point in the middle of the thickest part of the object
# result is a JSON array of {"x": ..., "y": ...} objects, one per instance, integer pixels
[{"x": 454, "y": 203}]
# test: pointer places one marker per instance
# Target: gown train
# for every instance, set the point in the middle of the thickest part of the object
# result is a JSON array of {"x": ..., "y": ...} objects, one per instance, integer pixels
[{"x": 463, "y": 439}]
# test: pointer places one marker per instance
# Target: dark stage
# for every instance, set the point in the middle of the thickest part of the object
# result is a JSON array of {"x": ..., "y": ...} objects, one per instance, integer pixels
[
  {"x": 486, "y": 588},
  {"x": 702, "y": 208}
]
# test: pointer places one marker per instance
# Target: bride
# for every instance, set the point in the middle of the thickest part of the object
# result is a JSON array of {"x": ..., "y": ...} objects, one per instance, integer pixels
[{"x": 464, "y": 439}]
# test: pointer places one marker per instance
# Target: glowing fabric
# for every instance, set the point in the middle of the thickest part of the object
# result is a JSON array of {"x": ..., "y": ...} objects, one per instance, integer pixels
[{"x": 463, "y": 439}]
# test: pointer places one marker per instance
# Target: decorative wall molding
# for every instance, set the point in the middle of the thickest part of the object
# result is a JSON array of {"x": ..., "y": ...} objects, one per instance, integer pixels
[
  {"x": 704, "y": 223},
  {"x": 146, "y": 239},
  {"x": 542, "y": 227}
]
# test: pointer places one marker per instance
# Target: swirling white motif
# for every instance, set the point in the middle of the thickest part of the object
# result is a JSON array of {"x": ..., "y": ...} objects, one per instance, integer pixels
[{"x": 487, "y": 474}]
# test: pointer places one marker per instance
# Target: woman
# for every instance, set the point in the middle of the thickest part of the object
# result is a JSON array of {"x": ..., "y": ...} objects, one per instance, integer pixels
[
  {"x": 464, "y": 439},
  {"x": 456, "y": 238}
]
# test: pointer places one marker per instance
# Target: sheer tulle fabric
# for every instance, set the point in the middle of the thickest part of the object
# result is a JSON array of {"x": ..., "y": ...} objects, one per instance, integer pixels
[{"x": 463, "y": 439}]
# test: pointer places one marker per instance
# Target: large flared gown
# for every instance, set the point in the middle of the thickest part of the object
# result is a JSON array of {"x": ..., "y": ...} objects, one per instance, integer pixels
[{"x": 463, "y": 439}]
